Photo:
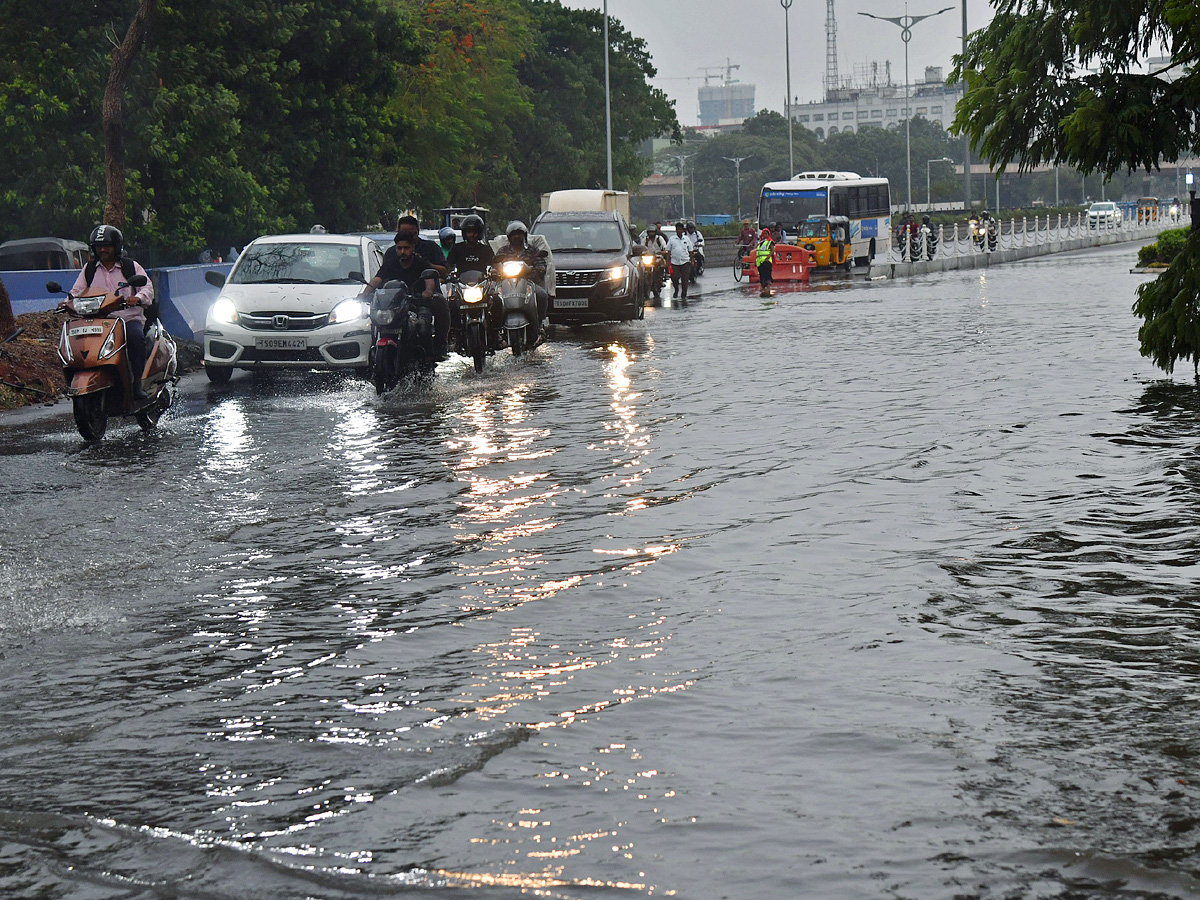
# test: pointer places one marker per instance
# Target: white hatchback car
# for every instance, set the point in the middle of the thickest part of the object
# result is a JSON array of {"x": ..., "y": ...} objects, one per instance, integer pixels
[{"x": 291, "y": 301}]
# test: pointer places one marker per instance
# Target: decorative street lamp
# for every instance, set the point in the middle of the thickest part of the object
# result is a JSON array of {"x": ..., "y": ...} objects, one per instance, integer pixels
[
  {"x": 928, "y": 192},
  {"x": 787, "y": 45},
  {"x": 905, "y": 23},
  {"x": 737, "y": 165}
]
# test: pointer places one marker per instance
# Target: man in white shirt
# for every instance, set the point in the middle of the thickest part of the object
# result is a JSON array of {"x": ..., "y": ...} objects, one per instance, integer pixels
[{"x": 679, "y": 252}]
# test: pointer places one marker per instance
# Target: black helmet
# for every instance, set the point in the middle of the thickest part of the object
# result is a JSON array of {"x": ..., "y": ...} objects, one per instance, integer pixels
[
  {"x": 105, "y": 234},
  {"x": 472, "y": 223}
]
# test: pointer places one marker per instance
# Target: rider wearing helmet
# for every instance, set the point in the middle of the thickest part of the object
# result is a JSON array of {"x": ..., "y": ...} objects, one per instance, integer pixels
[
  {"x": 516, "y": 245},
  {"x": 472, "y": 255},
  {"x": 446, "y": 237},
  {"x": 106, "y": 271}
]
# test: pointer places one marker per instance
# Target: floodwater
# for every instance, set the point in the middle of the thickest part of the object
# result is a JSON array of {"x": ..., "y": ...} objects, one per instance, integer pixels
[{"x": 872, "y": 590}]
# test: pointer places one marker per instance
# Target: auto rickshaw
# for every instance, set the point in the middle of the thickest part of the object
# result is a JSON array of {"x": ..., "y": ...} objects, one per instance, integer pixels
[
  {"x": 1147, "y": 208},
  {"x": 828, "y": 239}
]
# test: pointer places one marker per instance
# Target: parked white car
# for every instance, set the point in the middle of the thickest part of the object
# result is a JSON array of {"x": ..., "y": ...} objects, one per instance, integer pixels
[
  {"x": 1104, "y": 214},
  {"x": 291, "y": 301}
]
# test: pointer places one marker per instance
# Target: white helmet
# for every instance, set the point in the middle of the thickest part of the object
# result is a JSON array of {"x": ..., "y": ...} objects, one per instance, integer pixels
[{"x": 516, "y": 225}]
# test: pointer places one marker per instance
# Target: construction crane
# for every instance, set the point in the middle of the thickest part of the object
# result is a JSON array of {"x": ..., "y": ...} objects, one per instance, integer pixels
[{"x": 727, "y": 69}]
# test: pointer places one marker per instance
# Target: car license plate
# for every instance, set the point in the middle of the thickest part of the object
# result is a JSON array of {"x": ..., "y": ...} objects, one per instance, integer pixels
[
  {"x": 86, "y": 329},
  {"x": 280, "y": 343},
  {"x": 570, "y": 304}
]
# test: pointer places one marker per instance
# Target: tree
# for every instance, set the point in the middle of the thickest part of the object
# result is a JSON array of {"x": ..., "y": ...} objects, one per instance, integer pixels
[
  {"x": 1057, "y": 81},
  {"x": 113, "y": 117}
]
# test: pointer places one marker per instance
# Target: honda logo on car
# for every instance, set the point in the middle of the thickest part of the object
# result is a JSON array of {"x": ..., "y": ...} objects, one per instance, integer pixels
[{"x": 280, "y": 322}]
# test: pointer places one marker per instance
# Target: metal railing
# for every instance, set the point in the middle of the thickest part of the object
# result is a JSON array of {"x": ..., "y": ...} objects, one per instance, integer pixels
[{"x": 949, "y": 242}]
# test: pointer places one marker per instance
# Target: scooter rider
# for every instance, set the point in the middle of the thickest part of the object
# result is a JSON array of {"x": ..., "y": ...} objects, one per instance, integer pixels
[
  {"x": 107, "y": 269},
  {"x": 404, "y": 262},
  {"x": 518, "y": 248}
]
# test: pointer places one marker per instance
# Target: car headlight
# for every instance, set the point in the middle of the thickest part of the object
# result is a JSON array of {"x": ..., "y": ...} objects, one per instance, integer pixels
[
  {"x": 472, "y": 293},
  {"x": 224, "y": 311},
  {"x": 511, "y": 268},
  {"x": 347, "y": 311},
  {"x": 616, "y": 272}
]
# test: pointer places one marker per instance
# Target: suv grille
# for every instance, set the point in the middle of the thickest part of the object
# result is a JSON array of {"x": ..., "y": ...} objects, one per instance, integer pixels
[{"x": 578, "y": 279}]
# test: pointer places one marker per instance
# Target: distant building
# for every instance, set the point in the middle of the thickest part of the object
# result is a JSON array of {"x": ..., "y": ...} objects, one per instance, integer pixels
[
  {"x": 880, "y": 105},
  {"x": 726, "y": 104}
]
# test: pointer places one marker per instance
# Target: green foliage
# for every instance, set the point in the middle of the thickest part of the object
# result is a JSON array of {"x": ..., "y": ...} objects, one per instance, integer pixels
[
  {"x": 1165, "y": 249},
  {"x": 1053, "y": 80},
  {"x": 1170, "y": 309}
]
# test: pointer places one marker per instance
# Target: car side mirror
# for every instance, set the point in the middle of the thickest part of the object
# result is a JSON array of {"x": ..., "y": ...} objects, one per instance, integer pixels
[
  {"x": 216, "y": 279},
  {"x": 357, "y": 276}
]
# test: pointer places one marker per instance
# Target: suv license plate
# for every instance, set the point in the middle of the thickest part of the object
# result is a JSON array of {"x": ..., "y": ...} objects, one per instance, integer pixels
[
  {"x": 570, "y": 304},
  {"x": 280, "y": 344}
]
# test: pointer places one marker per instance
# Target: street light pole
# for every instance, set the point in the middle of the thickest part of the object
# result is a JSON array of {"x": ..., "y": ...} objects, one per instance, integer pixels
[
  {"x": 928, "y": 190},
  {"x": 905, "y": 23},
  {"x": 681, "y": 159},
  {"x": 737, "y": 165},
  {"x": 966, "y": 140},
  {"x": 787, "y": 44},
  {"x": 608, "y": 100}
]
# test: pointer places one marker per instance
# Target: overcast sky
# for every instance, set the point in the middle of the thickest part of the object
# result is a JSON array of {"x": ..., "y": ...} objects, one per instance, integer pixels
[{"x": 685, "y": 36}]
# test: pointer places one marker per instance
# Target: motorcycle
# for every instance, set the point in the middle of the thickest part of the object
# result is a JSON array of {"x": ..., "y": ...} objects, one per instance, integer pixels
[
  {"x": 510, "y": 287},
  {"x": 697, "y": 264},
  {"x": 655, "y": 265},
  {"x": 929, "y": 238},
  {"x": 94, "y": 354},
  {"x": 402, "y": 327},
  {"x": 978, "y": 231},
  {"x": 476, "y": 331}
]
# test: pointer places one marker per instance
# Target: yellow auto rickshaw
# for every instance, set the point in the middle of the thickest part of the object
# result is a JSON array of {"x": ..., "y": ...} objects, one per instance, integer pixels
[
  {"x": 1147, "y": 208},
  {"x": 827, "y": 238}
]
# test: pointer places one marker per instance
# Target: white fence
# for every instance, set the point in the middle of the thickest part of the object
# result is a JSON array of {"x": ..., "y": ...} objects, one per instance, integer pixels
[{"x": 1037, "y": 234}]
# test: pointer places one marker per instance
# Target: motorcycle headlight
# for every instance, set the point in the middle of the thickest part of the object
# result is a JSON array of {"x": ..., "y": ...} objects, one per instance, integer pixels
[
  {"x": 383, "y": 316},
  {"x": 224, "y": 311},
  {"x": 109, "y": 347},
  {"x": 648, "y": 260},
  {"x": 616, "y": 272},
  {"x": 472, "y": 293},
  {"x": 511, "y": 268},
  {"x": 347, "y": 311}
]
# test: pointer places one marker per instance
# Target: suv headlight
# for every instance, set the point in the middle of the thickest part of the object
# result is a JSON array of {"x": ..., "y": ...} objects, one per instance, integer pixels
[
  {"x": 224, "y": 311},
  {"x": 616, "y": 272},
  {"x": 347, "y": 311}
]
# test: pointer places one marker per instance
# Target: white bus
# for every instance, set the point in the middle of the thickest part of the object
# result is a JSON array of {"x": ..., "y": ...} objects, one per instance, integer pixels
[{"x": 866, "y": 202}]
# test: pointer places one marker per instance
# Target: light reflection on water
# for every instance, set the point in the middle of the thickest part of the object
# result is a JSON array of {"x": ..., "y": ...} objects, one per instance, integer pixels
[{"x": 867, "y": 612}]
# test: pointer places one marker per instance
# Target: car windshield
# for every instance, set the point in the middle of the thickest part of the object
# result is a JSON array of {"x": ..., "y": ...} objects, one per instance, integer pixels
[
  {"x": 1104, "y": 207},
  {"x": 286, "y": 262},
  {"x": 597, "y": 237}
]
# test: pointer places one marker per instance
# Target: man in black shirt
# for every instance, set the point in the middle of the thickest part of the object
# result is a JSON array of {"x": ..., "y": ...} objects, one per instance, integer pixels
[
  {"x": 429, "y": 249},
  {"x": 403, "y": 262},
  {"x": 472, "y": 255}
]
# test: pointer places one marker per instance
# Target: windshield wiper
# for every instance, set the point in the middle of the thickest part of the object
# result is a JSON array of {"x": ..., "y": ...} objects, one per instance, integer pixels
[{"x": 575, "y": 250}]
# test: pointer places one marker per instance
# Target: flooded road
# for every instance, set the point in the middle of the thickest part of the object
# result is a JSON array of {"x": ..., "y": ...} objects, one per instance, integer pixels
[{"x": 879, "y": 591}]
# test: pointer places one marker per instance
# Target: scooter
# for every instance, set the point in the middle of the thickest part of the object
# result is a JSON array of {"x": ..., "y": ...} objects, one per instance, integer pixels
[
  {"x": 511, "y": 285},
  {"x": 402, "y": 328},
  {"x": 94, "y": 355}
]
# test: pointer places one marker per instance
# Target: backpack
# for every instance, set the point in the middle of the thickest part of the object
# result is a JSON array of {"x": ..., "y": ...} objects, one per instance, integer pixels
[{"x": 127, "y": 272}]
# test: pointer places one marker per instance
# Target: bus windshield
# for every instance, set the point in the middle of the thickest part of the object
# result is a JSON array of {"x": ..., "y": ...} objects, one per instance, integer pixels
[{"x": 790, "y": 207}]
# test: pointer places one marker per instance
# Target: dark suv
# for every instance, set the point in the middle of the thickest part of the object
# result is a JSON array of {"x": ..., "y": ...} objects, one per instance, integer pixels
[{"x": 598, "y": 277}]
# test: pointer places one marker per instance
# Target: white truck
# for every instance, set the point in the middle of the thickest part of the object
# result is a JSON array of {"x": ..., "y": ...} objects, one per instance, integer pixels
[{"x": 587, "y": 201}]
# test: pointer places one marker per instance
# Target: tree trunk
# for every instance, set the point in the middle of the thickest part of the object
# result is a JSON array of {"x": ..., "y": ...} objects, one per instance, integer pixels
[
  {"x": 7, "y": 323},
  {"x": 114, "y": 139}
]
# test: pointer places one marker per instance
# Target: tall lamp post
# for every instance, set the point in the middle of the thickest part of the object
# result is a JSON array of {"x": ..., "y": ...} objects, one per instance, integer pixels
[
  {"x": 681, "y": 159},
  {"x": 905, "y": 23},
  {"x": 787, "y": 49},
  {"x": 737, "y": 165},
  {"x": 966, "y": 139},
  {"x": 928, "y": 190},
  {"x": 608, "y": 99}
]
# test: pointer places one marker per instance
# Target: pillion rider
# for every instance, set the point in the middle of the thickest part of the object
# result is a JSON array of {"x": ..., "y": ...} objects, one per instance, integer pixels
[
  {"x": 404, "y": 262},
  {"x": 107, "y": 269}
]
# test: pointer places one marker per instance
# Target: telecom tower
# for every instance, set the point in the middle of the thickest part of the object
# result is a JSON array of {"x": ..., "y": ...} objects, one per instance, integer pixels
[{"x": 831, "y": 66}]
